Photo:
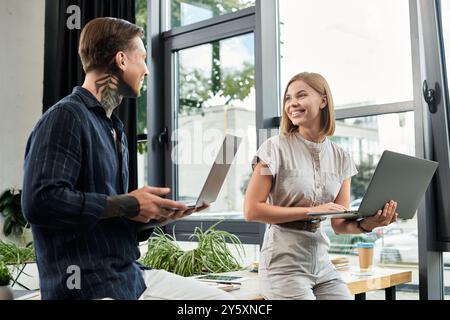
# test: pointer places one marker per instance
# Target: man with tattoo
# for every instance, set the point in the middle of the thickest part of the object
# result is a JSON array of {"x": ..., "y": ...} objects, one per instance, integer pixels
[{"x": 86, "y": 227}]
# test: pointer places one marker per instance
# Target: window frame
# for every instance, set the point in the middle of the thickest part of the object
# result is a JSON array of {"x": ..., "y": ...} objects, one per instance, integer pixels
[
  {"x": 433, "y": 138},
  {"x": 164, "y": 45}
]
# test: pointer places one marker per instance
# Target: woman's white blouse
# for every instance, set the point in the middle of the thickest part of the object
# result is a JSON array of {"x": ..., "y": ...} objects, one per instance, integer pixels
[{"x": 304, "y": 173}]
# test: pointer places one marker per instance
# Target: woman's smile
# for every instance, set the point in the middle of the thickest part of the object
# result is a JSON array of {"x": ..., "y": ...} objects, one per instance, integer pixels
[{"x": 297, "y": 113}]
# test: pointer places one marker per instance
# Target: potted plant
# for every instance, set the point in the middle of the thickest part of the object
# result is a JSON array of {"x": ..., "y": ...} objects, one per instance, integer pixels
[
  {"x": 5, "y": 279},
  {"x": 211, "y": 255},
  {"x": 15, "y": 224}
]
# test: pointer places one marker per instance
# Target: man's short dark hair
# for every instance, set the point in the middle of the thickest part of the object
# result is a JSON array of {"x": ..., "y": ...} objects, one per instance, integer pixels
[{"x": 102, "y": 38}]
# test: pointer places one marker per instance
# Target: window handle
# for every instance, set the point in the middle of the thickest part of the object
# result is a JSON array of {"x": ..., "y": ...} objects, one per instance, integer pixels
[
  {"x": 431, "y": 96},
  {"x": 162, "y": 137}
]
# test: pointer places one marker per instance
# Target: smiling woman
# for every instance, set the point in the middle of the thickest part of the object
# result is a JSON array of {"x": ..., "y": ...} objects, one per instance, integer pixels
[{"x": 299, "y": 172}]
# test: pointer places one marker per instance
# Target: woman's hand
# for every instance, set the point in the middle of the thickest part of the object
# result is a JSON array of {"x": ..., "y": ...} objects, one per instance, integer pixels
[
  {"x": 382, "y": 218},
  {"x": 326, "y": 207}
]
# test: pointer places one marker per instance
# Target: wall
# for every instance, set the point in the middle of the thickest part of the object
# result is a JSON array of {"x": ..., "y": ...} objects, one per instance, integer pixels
[{"x": 21, "y": 82}]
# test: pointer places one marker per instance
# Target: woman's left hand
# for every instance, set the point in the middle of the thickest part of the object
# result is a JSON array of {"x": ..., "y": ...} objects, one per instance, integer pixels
[{"x": 382, "y": 218}]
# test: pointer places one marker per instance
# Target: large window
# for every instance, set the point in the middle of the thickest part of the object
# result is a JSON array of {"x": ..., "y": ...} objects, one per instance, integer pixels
[
  {"x": 216, "y": 96},
  {"x": 364, "y": 52},
  {"x": 203, "y": 87}
]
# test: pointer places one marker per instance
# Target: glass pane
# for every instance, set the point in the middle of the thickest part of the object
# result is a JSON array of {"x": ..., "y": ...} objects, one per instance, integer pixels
[
  {"x": 365, "y": 139},
  {"x": 142, "y": 164},
  {"x": 445, "y": 15},
  {"x": 216, "y": 95},
  {"x": 141, "y": 21},
  {"x": 364, "y": 51},
  {"x": 184, "y": 12}
]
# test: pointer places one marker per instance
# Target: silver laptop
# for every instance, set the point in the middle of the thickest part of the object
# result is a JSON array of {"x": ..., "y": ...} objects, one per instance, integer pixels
[
  {"x": 218, "y": 172},
  {"x": 214, "y": 181},
  {"x": 399, "y": 177}
]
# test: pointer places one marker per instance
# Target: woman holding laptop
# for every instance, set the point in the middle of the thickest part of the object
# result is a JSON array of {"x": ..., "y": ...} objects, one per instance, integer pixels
[{"x": 301, "y": 171}]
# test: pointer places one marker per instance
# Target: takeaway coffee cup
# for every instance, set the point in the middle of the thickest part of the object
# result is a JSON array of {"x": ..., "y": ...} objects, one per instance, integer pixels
[{"x": 365, "y": 253}]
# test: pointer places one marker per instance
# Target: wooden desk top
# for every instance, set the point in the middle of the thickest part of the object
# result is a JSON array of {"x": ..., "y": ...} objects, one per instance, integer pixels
[{"x": 380, "y": 278}]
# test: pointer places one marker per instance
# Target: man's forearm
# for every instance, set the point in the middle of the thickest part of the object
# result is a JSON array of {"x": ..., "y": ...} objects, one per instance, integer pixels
[{"x": 121, "y": 205}]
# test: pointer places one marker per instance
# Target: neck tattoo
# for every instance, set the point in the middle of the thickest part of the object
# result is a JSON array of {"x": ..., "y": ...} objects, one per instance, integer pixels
[{"x": 108, "y": 87}]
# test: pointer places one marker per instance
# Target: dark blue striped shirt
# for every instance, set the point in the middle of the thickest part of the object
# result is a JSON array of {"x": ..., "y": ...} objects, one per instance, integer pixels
[{"x": 71, "y": 165}]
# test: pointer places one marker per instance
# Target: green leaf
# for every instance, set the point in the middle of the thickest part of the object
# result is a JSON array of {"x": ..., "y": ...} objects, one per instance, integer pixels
[
  {"x": 7, "y": 226},
  {"x": 6, "y": 194},
  {"x": 6, "y": 202},
  {"x": 10, "y": 253},
  {"x": 212, "y": 253},
  {"x": 8, "y": 211},
  {"x": 21, "y": 220},
  {"x": 5, "y": 276},
  {"x": 17, "y": 198}
]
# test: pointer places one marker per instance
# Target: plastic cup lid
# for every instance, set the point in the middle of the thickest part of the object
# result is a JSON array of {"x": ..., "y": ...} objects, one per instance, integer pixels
[{"x": 365, "y": 245}]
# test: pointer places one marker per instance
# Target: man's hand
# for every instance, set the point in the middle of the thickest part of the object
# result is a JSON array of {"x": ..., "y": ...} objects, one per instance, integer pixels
[
  {"x": 178, "y": 214},
  {"x": 151, "y": 204},
  {"x": 382, "y": 218}
]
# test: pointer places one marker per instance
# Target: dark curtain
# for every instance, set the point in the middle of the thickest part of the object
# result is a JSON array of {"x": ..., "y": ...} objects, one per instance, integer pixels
[{"x": 62, "y": 65}]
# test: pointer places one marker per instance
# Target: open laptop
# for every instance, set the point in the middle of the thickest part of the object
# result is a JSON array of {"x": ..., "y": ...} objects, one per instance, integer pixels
[
  {"x": 218, "y": 172},
  {"x": 399, "y": 177},
  {"x": 214, "y": 181}
]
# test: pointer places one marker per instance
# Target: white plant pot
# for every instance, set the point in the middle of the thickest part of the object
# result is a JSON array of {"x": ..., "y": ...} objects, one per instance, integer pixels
[
  {"x": 29, "y": 278},
  {"x": 6, "y": 293}
]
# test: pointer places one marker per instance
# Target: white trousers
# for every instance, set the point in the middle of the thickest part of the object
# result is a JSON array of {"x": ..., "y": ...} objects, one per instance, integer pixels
[{"x": 163, "y": 285}]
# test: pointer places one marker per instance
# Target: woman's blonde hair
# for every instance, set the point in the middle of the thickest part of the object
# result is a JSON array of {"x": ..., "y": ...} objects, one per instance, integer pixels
[{"x": 327, "y": 117}]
